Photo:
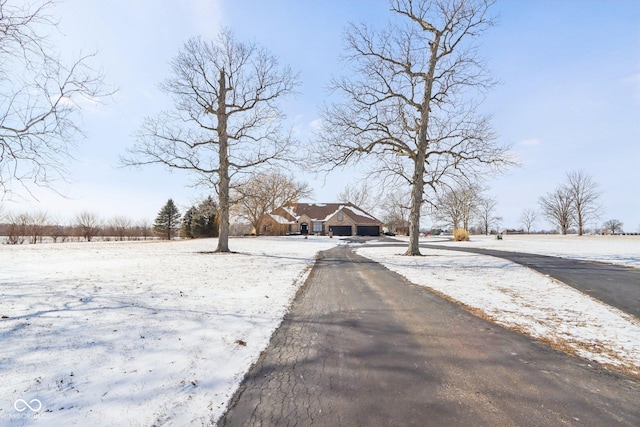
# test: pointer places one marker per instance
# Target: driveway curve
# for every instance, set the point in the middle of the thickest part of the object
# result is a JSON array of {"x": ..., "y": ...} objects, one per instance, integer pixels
[
  {"x": 615, "y": 285},
  {"x": 362, "y": 346}
]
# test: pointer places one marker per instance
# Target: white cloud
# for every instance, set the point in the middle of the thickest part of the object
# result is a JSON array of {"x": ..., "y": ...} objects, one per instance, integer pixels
[{"x": 315, "y": 124}]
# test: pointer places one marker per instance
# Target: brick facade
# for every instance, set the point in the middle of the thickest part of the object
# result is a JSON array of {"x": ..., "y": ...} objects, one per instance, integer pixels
[{"x": 304, "y": 218}]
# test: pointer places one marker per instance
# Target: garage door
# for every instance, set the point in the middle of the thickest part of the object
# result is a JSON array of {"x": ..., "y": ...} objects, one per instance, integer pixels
[
  {"x": 340, "y": 230},
  {"x": 368, "y": 230}
]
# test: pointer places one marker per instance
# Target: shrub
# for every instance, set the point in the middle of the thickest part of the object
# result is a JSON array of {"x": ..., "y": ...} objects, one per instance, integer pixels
[{"x": 460, "y": 235}]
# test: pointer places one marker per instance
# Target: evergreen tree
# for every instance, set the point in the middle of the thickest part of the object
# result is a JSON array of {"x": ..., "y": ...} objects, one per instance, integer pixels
[
  {"x": 205, "y": 220},
  {"x": 187, "y": 220},
  {"x": 201, "y": 221},
  {"x": 168, "y": 221}
]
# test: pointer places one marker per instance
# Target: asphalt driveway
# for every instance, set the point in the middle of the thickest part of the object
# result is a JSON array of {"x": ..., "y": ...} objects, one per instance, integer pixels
[
  {"x": 615, "y": 285},
  {"x": 361, "y": 346}
]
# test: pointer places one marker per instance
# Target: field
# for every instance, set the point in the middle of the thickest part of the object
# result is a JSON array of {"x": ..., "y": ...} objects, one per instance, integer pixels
[
  {"x": 161, "y": 333},
  {"x": 139, "y": 333}
]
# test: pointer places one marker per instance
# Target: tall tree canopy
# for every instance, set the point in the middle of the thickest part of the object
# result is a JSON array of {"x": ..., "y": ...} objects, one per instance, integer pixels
[
  {"x": 225, "y": 120},
  {"x": 407, "y": 105}
]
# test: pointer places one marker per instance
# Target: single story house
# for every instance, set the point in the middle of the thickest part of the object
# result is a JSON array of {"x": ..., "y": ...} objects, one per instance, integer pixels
[{"x": 338, "y": 219}]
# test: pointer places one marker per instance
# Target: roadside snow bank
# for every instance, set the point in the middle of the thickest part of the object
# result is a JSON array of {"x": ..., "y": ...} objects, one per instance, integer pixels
[
  {"x": 139, "y": 333},
  {"x": 523, "y": 300}
]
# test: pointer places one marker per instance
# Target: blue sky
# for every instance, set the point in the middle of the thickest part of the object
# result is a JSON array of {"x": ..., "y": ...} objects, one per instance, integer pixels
[{"x": 569, "y": 96}]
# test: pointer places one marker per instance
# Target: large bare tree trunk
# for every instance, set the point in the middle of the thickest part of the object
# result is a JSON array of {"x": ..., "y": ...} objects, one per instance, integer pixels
[
  {"x": 417, "y": 190},
  {"x": 416, "y": 204},
  {"x": 223, "y": 147}
]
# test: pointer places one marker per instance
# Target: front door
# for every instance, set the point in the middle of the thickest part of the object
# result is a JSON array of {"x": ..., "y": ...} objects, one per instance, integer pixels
[{"x": 304, "y": 228}]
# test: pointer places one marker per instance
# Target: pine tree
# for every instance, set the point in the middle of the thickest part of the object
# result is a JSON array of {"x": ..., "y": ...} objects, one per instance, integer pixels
[
  {"x": 205, "y": 221},
  {"x": 168, "y": 221},
  {"x": 187, "y": 221}
]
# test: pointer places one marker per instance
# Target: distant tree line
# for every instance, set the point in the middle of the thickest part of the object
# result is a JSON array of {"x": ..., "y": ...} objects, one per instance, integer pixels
[
  {"x": 35, "y": 227},
  {"x": 199, "y": 221}
]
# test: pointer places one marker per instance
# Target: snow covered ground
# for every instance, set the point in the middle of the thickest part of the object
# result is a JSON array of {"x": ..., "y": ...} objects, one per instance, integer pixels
[
  {"x": 524, "y": 300},
  {"x": 161, "y": 333},
  {"x": 138, "y": 333}
]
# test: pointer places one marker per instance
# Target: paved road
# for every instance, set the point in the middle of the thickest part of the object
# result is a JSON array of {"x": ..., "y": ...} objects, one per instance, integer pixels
[
  {"x": 615, "y": 285},
  {"x": 363, "y": 347}
]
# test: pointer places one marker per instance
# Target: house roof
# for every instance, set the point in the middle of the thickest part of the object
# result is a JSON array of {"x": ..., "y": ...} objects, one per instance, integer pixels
[{"x": 321, "y": 212}]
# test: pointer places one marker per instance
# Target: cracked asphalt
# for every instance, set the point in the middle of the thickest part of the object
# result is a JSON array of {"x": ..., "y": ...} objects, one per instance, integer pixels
[{"x": 361, "y": 346}]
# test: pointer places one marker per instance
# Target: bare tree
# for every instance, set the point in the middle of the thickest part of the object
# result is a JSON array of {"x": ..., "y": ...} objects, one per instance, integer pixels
[
  {"x": 57, "y": 231},
  {"x": 360, "y": 195},
  {"x": 16, "y": 231},
  {"x": 486, "y": 211},
  {"x": 120, "y": 226},
  {"x": 226, "y": 120},
  {"x": 455, "y": 206},
  {"x": 557, "y": 207},
  {"x": 36, "y": 224},
  {"x": 396, "y": 207},
  {"x": 39, "y": 97},
  {"x": 584, "y": 196},
  {"x": 528, "y": 218},
  {"x": 144, "y": 228},
  {"x": 612, "y": 226},
  {"x": 409, "y": 108},
  {"x": 26, "y": 226},
  {"x": 88, "y": 225},
  {"x": 265, "y": 192}
]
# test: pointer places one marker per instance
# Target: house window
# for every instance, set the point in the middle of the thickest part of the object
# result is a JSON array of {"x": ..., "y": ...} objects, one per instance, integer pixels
[
  {"x": 317, "y": 227},
  {"x": 340, "y": 216}
]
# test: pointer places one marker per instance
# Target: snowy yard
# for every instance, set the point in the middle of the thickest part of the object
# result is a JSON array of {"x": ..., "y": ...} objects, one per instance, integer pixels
[
  {"x": 161, "y": 333},
  {"x": 140, "y": 333},
  {"x": 524, "y": 300}
]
